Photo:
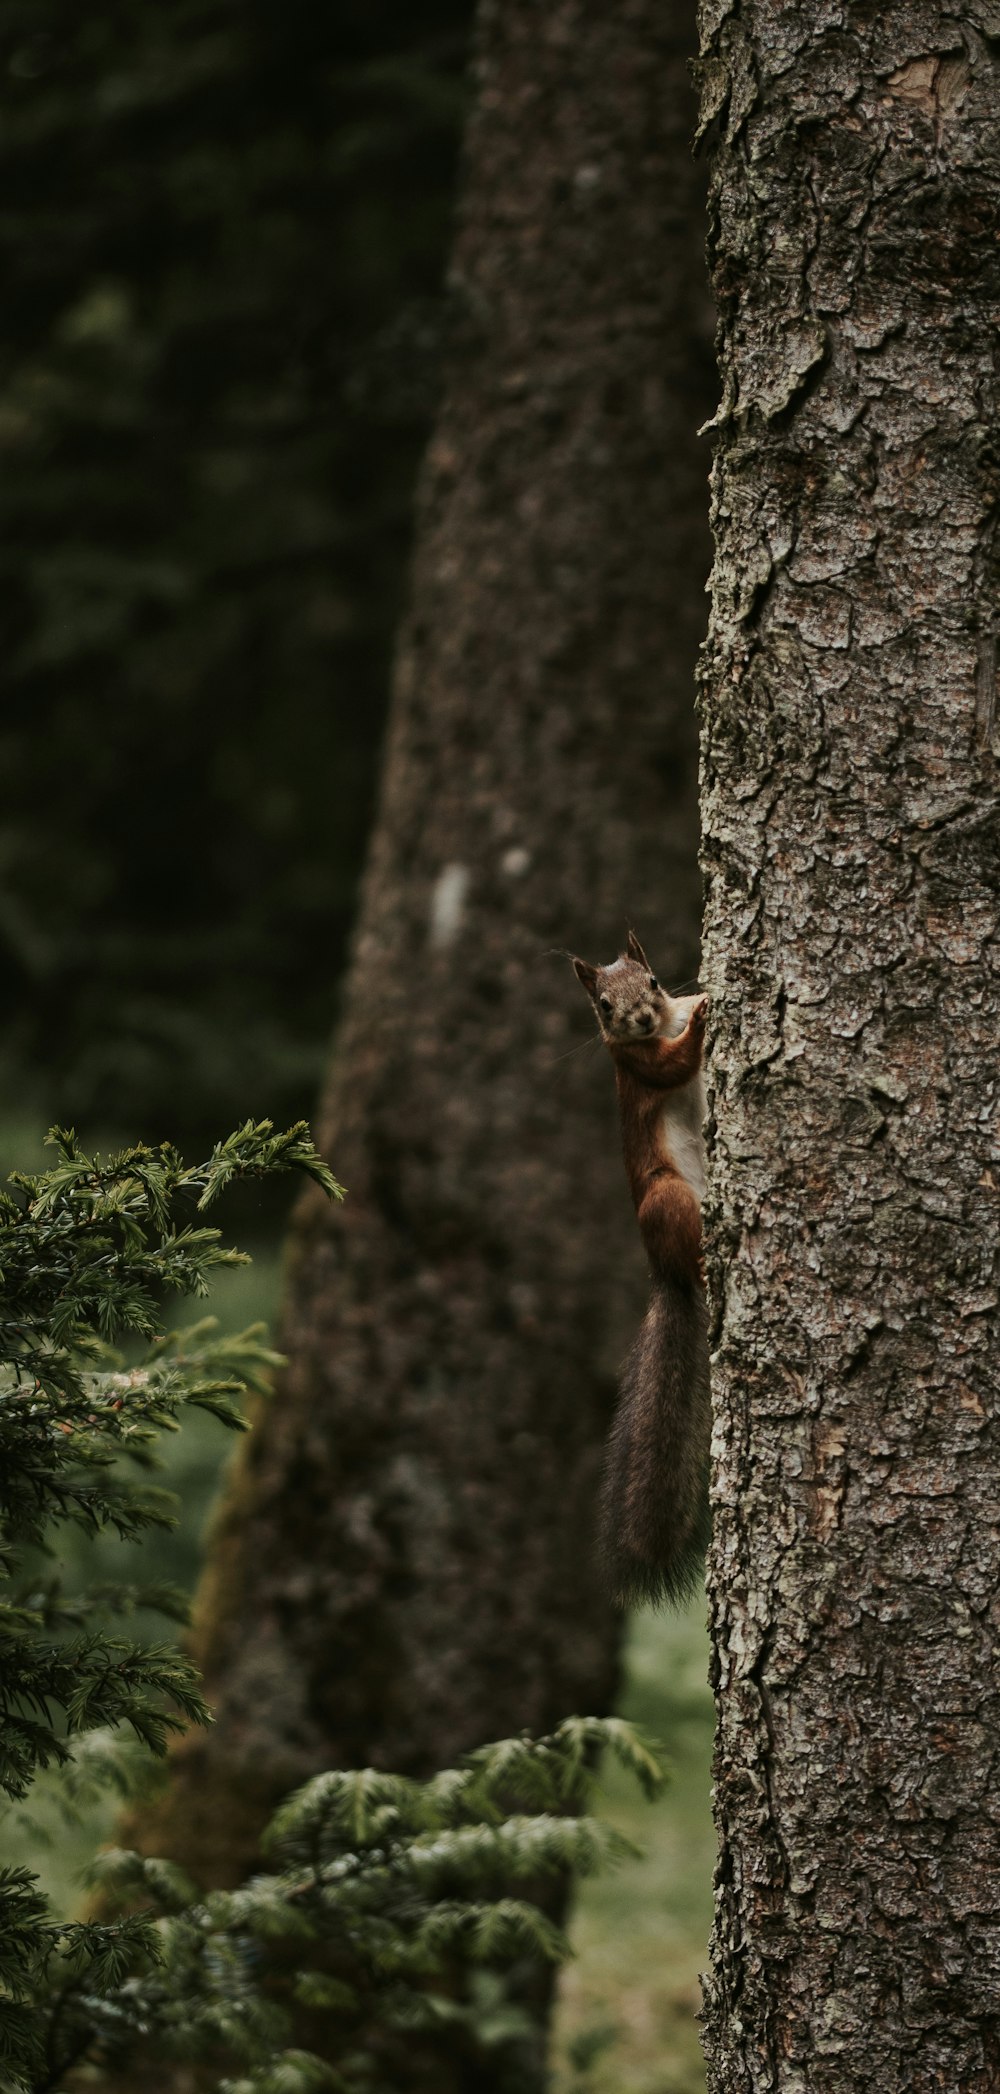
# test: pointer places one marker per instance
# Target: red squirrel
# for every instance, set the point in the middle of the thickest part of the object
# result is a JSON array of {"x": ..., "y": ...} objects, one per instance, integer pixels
[{"x": 654, "y": 1501}]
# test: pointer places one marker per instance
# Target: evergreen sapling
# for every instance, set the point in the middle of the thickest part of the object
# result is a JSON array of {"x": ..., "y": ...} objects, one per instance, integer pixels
[{"x": 389, "y": 1914}]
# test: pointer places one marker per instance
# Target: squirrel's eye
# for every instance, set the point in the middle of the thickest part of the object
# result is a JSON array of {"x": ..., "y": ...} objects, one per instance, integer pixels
[
  {"x": 605, "y": 1003},
  {"x": 653, "y": 983}
]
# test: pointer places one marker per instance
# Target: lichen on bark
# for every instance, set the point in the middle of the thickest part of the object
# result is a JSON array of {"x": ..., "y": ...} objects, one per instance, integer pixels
[{"x": 851, "y": 858}]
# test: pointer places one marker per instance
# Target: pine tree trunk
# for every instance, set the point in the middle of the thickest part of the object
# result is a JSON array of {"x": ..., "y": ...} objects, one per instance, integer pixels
[
  {"x": 406, "y": 1566},
  {"x": 851, "y": 850}
]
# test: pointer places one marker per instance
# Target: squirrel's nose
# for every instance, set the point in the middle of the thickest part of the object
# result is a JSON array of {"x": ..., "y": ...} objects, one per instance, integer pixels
[{"x": 646, "y": 1020}]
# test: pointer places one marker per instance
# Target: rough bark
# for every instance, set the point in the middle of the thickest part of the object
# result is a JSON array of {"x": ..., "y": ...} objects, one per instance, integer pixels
[
  {"x": 406, "y": 1566},
  {"x": 851, "y": 853}
]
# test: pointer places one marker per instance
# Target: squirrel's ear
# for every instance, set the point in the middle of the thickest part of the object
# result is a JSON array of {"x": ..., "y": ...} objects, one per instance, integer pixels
[
  {"x": 588, "y": 976},
  {"x": 635, "y": 951}
]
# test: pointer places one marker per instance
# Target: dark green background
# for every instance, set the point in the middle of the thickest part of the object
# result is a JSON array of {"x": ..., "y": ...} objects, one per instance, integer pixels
[{"x": 224, "y": 238}]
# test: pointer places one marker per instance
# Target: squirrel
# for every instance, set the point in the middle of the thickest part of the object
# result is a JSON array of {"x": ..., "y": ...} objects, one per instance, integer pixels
[{"x": 654, "y": 1499}]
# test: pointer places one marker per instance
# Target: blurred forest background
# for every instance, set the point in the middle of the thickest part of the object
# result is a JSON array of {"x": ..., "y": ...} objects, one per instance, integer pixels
[
  {"x": 224, "y": 252},
  {"x": 225, "y": 242}
]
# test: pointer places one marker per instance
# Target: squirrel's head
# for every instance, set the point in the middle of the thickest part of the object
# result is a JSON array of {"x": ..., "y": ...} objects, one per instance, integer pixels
[{"x": 628, "y": 999}]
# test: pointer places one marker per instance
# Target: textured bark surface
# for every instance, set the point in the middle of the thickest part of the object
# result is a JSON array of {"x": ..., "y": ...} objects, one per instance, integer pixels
[
  {"x": 406, "y": 1566},
  {"x": 851, "y": 850}
]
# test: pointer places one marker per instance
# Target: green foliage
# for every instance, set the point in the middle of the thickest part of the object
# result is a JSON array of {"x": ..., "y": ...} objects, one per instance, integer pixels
[
  {"x": 392, "y": 1912},
  {"x": 88, "y": 1251}
]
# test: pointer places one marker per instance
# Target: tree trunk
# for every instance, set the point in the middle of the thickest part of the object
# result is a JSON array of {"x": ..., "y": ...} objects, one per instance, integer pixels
[
  {"x": 852, "y": 865},
  {"x": 405, "y": 1564}
]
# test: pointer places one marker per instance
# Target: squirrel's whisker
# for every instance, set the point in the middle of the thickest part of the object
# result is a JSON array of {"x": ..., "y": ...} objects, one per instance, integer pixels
[{"x": 580, "y": 1048}]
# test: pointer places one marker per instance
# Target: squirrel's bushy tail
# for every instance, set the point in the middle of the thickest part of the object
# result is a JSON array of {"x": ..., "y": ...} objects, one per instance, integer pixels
[{"x": 654, "y": 1502}]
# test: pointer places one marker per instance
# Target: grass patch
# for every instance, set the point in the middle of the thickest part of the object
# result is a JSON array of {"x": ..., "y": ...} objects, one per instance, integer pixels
[{"x": 625, "y": 2020}]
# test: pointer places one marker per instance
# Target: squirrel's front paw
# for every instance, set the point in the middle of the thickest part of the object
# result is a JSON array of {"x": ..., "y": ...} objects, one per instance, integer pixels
[{"x": 699, "y": 1013}]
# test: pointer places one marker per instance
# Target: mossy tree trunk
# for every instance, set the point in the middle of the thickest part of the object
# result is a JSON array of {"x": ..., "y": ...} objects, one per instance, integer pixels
[
  {"x": 851, "y": 852},
  {"x": 405, "y": 1565}
]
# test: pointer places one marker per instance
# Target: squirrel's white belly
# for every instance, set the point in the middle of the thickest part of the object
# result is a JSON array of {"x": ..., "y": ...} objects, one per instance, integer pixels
[{"x": 682, "y": 1136}]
